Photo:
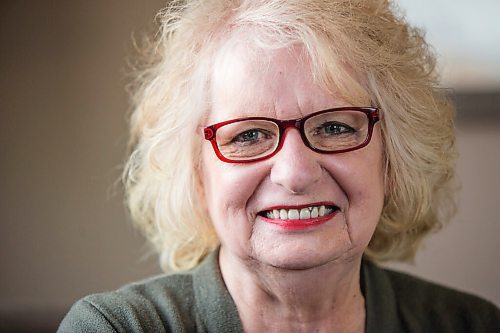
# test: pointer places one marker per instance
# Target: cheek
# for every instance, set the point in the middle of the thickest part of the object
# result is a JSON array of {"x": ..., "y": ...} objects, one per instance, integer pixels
[
  {"x": 366, "y": 195},
  {"x": 359, "y": 174},
  {"x": 368, "y": 184},
  {"x": 369, "y": 198},
  {"x": 227, "y": 188}
]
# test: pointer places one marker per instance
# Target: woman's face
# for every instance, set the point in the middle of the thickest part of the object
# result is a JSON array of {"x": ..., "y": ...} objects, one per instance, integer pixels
[{"x": 238, "y": 196}]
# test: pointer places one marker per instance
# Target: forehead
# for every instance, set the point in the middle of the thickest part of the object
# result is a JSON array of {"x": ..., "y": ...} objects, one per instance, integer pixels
[{"x": 248, "y": 81}]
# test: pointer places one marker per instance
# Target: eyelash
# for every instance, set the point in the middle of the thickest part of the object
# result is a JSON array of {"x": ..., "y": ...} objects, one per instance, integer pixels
[
  {"x": 345, "y": 128},
  {"x": 259, "y": 132}
]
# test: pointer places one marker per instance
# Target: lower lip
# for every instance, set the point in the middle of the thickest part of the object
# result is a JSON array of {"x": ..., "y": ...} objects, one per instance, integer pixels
[{"x": 299, "y": 224}]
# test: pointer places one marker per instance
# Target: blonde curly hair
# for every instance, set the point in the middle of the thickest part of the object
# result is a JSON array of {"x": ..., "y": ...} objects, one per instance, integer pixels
[{"x": 361, "y": 48}]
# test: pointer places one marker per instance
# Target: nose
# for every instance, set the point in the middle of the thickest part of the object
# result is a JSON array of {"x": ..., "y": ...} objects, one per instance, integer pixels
[{"x": 295, "y": 167}]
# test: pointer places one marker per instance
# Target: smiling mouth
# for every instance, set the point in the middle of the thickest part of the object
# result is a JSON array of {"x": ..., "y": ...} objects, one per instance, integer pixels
[{"x": 305, "y": 213}]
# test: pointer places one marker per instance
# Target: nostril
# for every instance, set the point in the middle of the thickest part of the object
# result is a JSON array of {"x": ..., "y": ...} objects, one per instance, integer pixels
[{"x": 296, "y": 169}]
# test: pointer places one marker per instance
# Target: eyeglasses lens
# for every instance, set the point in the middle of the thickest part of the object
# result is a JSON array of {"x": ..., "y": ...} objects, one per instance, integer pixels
[
  {"x": 248, "y": 139},
  {"x": 336, "y": 131}
]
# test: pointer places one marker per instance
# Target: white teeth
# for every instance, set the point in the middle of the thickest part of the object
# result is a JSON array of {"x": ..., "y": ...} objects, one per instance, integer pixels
[
  {"x": 314, "y": 212},
  {"x": 293, "y": 214},
  {"x": 302, "y": 214},
  {"x": 305, "y": 213}
]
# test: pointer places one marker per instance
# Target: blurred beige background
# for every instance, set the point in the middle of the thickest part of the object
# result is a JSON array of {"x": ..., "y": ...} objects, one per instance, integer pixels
[{"x": 64, "y": 232}]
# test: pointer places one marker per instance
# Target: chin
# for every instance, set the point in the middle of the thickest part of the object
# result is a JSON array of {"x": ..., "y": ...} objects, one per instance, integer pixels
[{"x": 302, "y": 257}]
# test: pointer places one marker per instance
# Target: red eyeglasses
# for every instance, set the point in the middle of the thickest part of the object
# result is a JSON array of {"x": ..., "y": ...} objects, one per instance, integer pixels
[{"x": 331, "y": 131}]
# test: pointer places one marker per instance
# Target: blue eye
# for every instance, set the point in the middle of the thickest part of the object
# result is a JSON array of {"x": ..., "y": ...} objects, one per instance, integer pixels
[
  {"x": 335, "y": 128},
  {"x": 251, "y": 136}
]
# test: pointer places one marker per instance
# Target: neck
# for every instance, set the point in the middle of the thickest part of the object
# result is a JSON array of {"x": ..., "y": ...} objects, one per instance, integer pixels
[{"x": 326, "y": 298}]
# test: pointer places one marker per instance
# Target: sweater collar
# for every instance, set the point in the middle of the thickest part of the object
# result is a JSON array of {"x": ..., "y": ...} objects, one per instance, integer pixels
[
  {"x": 213, "y": 301},
  {"x": 380, "y": 300}
]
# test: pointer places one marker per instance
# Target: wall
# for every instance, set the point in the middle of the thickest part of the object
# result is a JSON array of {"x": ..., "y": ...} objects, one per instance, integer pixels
[
  {"x": 63, "y": 132},
  {"x": 63, "y": 230},
  {"x": 464, "y": 254}
]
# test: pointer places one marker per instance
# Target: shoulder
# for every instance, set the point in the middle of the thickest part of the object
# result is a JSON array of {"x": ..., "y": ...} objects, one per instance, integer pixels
[
  {"x": 422, "y": 305},
  {"x": 164, "y": 303},
  {"x": 421, "y": 300},
  {"x": 195, "y": 301}
]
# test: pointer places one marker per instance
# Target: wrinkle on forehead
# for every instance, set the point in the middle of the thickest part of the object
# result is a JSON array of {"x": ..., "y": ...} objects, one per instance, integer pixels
[{"x": 250, "y": 81}]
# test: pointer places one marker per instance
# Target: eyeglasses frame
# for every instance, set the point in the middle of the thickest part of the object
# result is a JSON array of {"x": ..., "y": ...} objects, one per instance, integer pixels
[{"x": 372, "y": 113}]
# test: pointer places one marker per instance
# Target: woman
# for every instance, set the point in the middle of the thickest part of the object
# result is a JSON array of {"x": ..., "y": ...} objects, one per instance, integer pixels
[{"x": 279, "y": 148}]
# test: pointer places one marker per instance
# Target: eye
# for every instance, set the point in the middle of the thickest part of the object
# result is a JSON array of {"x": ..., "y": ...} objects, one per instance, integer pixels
[
  {"x": 334, "y": 128},
  {"x": 251, "y": 136}
]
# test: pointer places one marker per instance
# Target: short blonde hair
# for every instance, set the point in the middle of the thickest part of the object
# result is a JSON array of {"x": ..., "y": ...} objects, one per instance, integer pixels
[{"x": 358, "y": 47}]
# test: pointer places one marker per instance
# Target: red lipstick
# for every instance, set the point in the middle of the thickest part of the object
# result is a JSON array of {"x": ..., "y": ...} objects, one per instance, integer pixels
[
  {"x": 309, "y": 215},
  {"x": 298, "y": 224}
]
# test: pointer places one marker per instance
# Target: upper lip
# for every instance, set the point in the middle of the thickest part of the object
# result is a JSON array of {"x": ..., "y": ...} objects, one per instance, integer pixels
[{"x": 298, "y": 207}]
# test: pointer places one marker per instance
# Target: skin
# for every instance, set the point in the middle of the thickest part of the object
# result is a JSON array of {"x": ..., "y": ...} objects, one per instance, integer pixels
[{"x": 303, "y": 280}]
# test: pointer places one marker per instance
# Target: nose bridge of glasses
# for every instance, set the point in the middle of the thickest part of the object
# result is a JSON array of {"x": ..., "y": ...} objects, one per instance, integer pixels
[
  {"x": 292, "y": 123},
  {"x": 286, "y": 125}
]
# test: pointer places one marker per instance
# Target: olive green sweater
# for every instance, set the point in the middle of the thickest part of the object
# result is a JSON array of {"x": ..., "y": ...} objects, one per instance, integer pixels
[{"x": 198, "y": 301}]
